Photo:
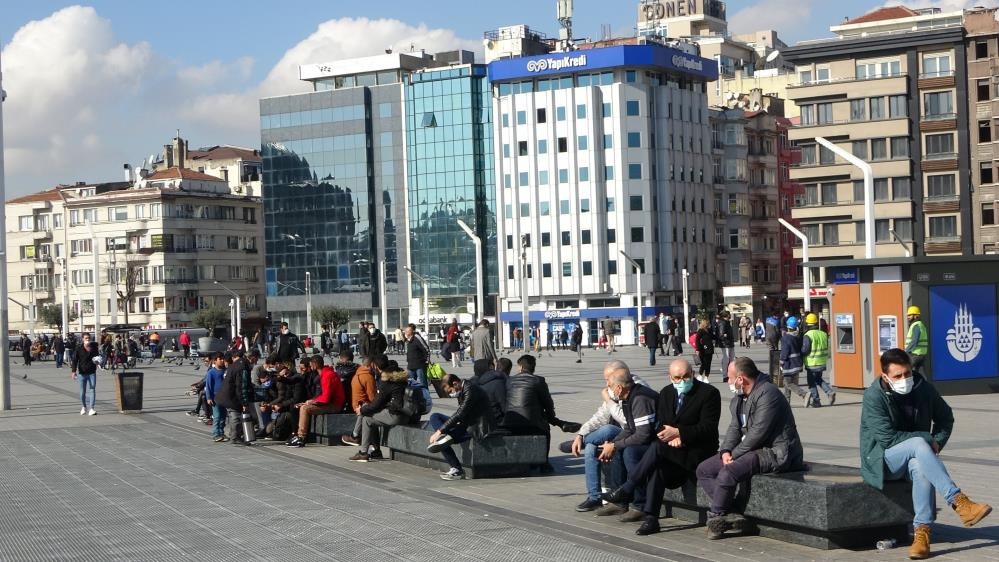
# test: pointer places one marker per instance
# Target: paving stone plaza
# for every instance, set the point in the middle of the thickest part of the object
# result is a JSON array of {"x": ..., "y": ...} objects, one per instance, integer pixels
[{"x": 153, "y": 486}]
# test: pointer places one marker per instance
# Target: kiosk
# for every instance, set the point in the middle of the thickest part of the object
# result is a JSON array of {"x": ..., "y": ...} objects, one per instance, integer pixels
[{"x": 957, "y": 296}]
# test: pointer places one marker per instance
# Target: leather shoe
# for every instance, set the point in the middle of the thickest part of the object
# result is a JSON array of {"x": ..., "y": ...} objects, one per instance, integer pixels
[
  {"x": 649, "y": 526},
  {"x": 618, "y": 495},
  {"x": 631, "y": 516},
  {"x": 611, "y": 509}
]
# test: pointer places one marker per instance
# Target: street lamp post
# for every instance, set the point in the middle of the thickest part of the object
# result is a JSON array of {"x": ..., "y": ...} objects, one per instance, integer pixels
[
  {"x": 638, "y": 293},
  {"x": 308, "y": 304},
  {"x": 480, "y": 298},
  {"x": 65, "y": 296},
  {"x": 868, "y": 194},
  {"x": 684, "y": 274},
  {"x": 31, "y": 305},
  {"x": 806, "y": 282},
  {"x": 383, "y": 294},
  {"x": 95, "y": 250},
  {"x": 426, "y": 300},
  {"x": 525, "y": 319},
  {"x": 237, "y": 324},
  {"x": 232, "y": 317}
]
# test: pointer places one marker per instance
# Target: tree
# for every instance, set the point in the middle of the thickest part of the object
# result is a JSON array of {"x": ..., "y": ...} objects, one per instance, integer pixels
[
  {"x": 332, "y": 316},
  {"x": 210, "y": 318},
  {"x": 51, "y": 315},
  {"x": 125, "y": 279}
]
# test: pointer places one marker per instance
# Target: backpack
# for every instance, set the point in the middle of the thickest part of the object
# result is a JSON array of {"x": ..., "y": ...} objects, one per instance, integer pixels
[
  {"x": 692, "y": 340},
  {"x": 417, "y": 401}
]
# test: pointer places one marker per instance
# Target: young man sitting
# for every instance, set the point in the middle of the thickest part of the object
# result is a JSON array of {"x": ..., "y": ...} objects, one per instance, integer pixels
[
  {"x": 328, "y": 400},
  {"x": 474, "y": 415}
]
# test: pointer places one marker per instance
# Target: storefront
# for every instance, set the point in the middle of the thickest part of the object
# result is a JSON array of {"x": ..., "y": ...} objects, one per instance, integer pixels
[{"x": 590, "y": 319}]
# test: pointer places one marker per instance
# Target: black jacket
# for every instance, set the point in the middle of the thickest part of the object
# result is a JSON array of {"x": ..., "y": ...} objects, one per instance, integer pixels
[
  {"x": 725, "y": 335},
  {"x": 705, "y": 342},
  {"x": 83, "y": 359},
  {"x": 346, "y": 372},
  {"x": 640, "y": 417},
  {"x": 391, "y": 394},
  {"x": 363, "y": 338},
  {"x": 474, "y": 411},
  {"x": 57, "y": 345},
  {"x": 288, "y": 347},
  {"x": 377, "y": 344},
  {"x": 577, "y": 336},
  {"x": 494, "y": 384},
  {"x": 698, "y": 425},
  {"x": 290, "y": 390},
  {"x": 770, "y": 431},
  {"x": 652, "y": 333},
  {"x": 529, "y": 405},
  {"x": 237, "y": 386},
  {"x": 417, "y": 353}
]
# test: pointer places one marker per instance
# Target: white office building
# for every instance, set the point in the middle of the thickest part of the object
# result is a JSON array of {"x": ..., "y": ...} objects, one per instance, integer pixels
[{"x": 599, "y": 151}]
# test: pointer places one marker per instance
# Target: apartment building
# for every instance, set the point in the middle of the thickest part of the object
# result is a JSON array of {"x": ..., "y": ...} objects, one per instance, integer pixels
[
  {"x": 162, "y": 240},
  {"x": 982, "y": 40},
  {"x": 889, "y": 88}
]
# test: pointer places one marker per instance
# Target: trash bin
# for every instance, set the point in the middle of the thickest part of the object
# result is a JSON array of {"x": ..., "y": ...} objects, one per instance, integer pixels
[{"x": 128, "y": 389}]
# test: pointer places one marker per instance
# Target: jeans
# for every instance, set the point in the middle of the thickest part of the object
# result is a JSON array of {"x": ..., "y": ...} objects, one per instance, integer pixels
[
  {"x": 652, "y": 355},
  {"x": 814, "y": 382},
  {"x": 727, "y": 355},
  {"x": 591, "y": 449},
  {"x": 915, "y": 459},
  {"x": 58, "y": 359},
  {"x": 719, "y": 480},
  {"x": 84, "y": 381},
  {"x": 632, "y": 456},
  {"x": 418, "y": 375},
  {"x": 218, "y": 420},
  {"x": 458, "y": 435}
]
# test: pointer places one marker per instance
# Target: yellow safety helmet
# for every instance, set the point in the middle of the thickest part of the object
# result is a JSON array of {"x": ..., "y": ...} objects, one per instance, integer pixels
[
  {"x": 913, "y": 310},
  {"x": 811, "y": 318}
]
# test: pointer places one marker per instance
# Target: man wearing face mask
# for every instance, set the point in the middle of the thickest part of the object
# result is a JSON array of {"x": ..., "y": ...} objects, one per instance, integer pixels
[
  {"x": 84, "y": 370},
  {"x": 904, "y": 424},
  {"x": 288, "y": 346},
  {"x": 761, "y": 438},
  {"x": 687, "y": 416},
  {"x": 377, "y": 344},
  {"x": 474, "y": 416}
]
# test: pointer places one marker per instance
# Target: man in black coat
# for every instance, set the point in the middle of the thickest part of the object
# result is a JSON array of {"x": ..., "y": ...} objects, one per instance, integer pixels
[
  {"x": 652, "y": 334},
  {"x": 529, "y": 405},
  {"x": 687, "y": 414},
  {"x": 493, "y": 382},
  {"x": 84, "y": 371},
  {"x": 288, "y": 347},
  {"x": 474, "y": 418}
]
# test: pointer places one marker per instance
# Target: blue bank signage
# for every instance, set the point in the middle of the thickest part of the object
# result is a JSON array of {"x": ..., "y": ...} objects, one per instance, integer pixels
[
  {"x": 963, "y": 332},
  {"x": 845, "y": 276},
  {"x": 652, "y": 56}
]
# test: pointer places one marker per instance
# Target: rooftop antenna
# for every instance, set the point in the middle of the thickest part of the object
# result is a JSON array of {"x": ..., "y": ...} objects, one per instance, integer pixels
[{"x": 565, "y": 19}]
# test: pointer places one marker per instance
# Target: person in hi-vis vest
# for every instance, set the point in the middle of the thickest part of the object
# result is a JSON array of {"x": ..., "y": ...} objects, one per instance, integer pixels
[
  {"x": 815, "y": 350},
  {"x": 917, "y": 339}
]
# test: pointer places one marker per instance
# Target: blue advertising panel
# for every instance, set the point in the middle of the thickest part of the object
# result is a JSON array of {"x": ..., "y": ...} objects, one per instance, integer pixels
[
  {"x": 963, "y": 332},
  {"x": 587, "y": 60},
  {"x": 845, "y": 276}
]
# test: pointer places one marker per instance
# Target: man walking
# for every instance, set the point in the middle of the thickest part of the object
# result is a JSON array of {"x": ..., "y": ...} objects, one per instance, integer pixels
[
  {"x": 663, "y": 321},
  {"x": 288, "y": 347},
  {"x": 84, "y": 371},
  {"x": 481, "y": 342},
  {"x": 917, "y": 339},
  {"x": 577, "y": 342},
  {"x": 815, "y": 350},
  {"x": 417, "y": 355},
  {"x": 609, "y": 333},
  {"x": 761, "y": 438},
  {"x": 791, "y": 362},
  {"x": 904, "y": 425},
  {"x": 725, "y": 336},
  {"x": 651, "y": 333}
]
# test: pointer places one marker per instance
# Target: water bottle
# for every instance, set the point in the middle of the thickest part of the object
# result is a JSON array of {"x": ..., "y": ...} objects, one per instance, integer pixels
[
  {"x": 248, "y": 435},
  {"x": 886, "y": 544}
]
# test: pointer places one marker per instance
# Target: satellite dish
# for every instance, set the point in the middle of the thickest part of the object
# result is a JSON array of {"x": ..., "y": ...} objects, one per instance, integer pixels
[
  {"x": 773, "y": 55},
  {"x": 489, "y": 44}
]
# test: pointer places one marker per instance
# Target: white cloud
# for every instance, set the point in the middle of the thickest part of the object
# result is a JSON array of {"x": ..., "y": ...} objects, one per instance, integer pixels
[
  {"x": 81, "y": 101},
  {"x": 771, "y": 14}
]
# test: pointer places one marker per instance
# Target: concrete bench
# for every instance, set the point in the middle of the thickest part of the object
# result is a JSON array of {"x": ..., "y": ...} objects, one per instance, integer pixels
[
  {"x": 826, "y": 506},
  {"x": 326, "y": 429},
  {"x": 512, "y": 455}
]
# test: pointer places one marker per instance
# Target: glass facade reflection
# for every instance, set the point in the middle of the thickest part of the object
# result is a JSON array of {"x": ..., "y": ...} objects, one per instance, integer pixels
[{"x": 450, "y": 177}]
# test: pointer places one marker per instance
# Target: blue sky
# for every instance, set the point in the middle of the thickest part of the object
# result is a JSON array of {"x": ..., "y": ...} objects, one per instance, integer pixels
[{"x": 96, "y": 85}]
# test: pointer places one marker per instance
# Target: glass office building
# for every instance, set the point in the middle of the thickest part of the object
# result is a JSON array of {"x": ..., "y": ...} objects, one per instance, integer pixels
[{"x": 449, "y": 178}]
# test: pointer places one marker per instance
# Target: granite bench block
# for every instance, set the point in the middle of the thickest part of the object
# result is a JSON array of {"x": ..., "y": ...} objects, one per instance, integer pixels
[
  {"x": 826, "y": 506},
  {"x": 492, "y": 457},
  {"x": 326, "y": 429}
]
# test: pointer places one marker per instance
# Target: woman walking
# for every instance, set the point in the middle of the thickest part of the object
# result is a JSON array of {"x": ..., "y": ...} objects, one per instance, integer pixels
[{"x": 704, "y": 344}]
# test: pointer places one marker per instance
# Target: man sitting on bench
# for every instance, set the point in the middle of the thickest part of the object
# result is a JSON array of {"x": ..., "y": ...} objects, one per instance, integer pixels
[
  {"x": 904, "y": 424},
  {"x": 761, "y": 438},
  {"x": 474, "y": 415},
  {"x": 687, "y": 416}
]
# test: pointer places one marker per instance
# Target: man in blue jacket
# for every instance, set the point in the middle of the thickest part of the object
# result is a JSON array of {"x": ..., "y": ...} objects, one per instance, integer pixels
[
  {"x": 791, "y": 361},
  {"x": 213, "y": 382}
]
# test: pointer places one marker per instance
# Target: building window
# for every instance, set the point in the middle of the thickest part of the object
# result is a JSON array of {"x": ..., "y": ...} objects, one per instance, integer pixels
[
  {"x": 546, "y": 239},
  {"x": 941, "y": 186},
  {"x": 610, "y": 204},
  {"x": 860, "y": 149},
  {"x": 521, "y": 148},
  {"x": 582, "y": 142},
  {"x": 563, "y": 207},
  {"x": 879, "y": 69},
  {"x": 897, "y": 106},
  {"x": 938, "y": 105},
  {"x": 563, "y": 175},
  {"x": 984, "y": 132},
  {"x": 608, "y": 173},
  {"x": 807, "y": 114},
  {"x": 985, "y": 173},
  {"x": 826, "y": 156},
  {"x": 981, "y": 50},
  {"x": 808, "y": 154},
  {"x": 988, "y": 213},
  {"x": 881, "y": 189},
  {"x": 943, "y": 227},
  {"x": 822, "y": 74},
  {"x": 584, "y": 173},
  {"x": 611, "y": 235},
  {"x": 830, "y": 234},
  {"x": 580, "y": 111},
  {"x": 505, "y": 120},
  {"x": 508, "y": 211},
  {"x": 805, "y": 76},
  {"x": 877, "y": 108},
  {"x": 900, "y": 147},
  {"x": 903, "y": 229},
  {"x": 632, "y": 107},
  {"x": 858, "y": 191},
  {"x": 566, "y": 269},
  {"x": 587, "y": 268},
  {"x": 560, "y": 113},
  {"x": 608, "y": 141},
  {"x": 634, "y": 171},
  {"x": 542, "y": 146},
  {"x": 544, "y": 208},
  {"x": 584, "y": 237},
  {"x": 940, "y": 146},
  {"x": 984, "y": 87},
  {"x": 634, "y": 140},
  {"x": 824, "y": 113},
  {"x": 881, "y": 230},
  {"x": 546, "y": 270},
  {"x": 565, "y": 238},
  {"x": 542, "y": 177},
  {"x": 901, "y": 188},
  {"x": 936, "y": 64},
  {"x": 605, "y": 110},
  {"x": 858, "y": 110},
  {"x": 563, "y": 144},
  {"x": 829, "y": 194},
  {"x": 542, "y": 115},
  {"x": 523, "y": 179},
  {"x": 635, "y": 203},
  {"x": 509, "y": 268},
  {"x": 521, "y": 117},
  {"x": 611, "y": 267},
  {"x": 507, "y": 182},
  {"x": 811, "y": 194},
  {"x": 637, "y": 234},
  {"x": 879, "y": 149}
]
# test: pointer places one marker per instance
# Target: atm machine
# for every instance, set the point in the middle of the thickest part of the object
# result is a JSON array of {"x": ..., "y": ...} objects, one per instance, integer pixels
[{"x": 887, "y": 333}]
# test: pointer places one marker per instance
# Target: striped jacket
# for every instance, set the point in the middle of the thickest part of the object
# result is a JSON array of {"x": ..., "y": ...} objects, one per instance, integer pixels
[{"x": 640, "y": 417}]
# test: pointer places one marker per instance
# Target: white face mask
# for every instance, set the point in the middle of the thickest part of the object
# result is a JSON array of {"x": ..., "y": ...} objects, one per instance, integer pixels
[
  {"x": 736, "y": 390},
  {"x": 453, "y": 394},
  {"x": 903, "y": 386},
  {"x": 612, "y": 395},
  {"x": 371, "y": 330}
]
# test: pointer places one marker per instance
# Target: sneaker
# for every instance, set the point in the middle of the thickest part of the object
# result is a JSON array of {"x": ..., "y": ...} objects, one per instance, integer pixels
[
  {"x": 221, "y": 439},
  {"x": 92, "y": 412},
  {"x": 376, "y": 455},
  {"x": 350, "y": 440},
  {"x": 295, "y": 441},
  {"x": 589, "y": 505},
  {"x": 209, "y": 421},
  {"x": 437, "y": 446},
  {"x": 453, "y": 474},
  {"x": 832, "y": 398},
  {"x": 359, "y": 457},
  {"x": 83, "y": 410},
  {"x": 719, "y": 524},
  {"x": 192, "y": 413}
]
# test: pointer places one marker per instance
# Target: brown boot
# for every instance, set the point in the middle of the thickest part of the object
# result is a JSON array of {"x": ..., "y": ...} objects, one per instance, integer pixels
[
  {"x": 970, "y": 512},
  {"x": 920, "y": 549}
]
